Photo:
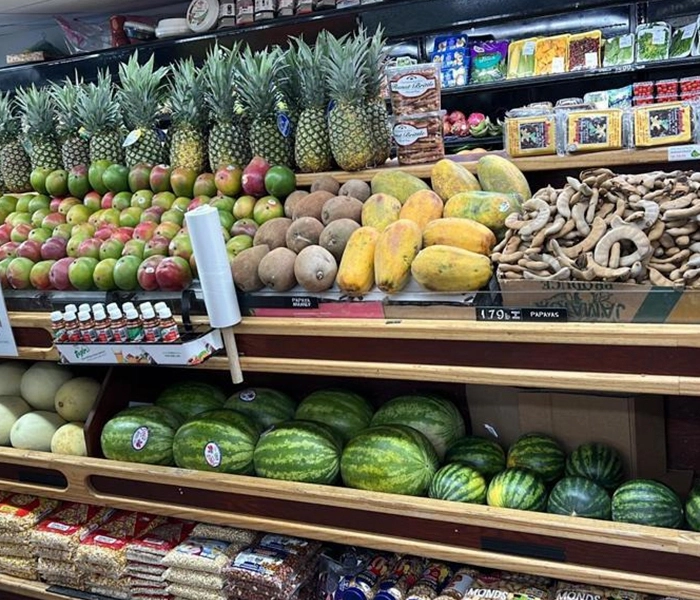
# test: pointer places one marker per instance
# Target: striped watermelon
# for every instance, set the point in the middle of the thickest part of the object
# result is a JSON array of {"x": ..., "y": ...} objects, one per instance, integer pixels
[
  {"x": 647, "y": 502},
  {"x": 539, "y": 453},
  {"x": 459, "y": 483},
  {"x": 267, "y": 406},
  {"x": 190, "y": 398},
  {"x": 219, "y": 440},
  {"x": 597, "y": 462},
  {"x": 579, "y": 497},
  {"x": 692, "y": 511},
  {"x": 395, "y": 459},
  {"x": 299, "y": 451},
  {"x": 347, "y": 412},
  {"x": 517, "y": 488},
  {"x": 435, "y": 417},
  {"x": 482, "y": 454},
  {"x": 143, "y": 434}
]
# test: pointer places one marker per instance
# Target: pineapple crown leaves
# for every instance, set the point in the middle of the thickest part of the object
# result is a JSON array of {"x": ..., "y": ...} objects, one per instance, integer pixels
[
  {"x": 344, "y": 69},
  {"x": 97, "y": 106},
  {"x": 311, "y": 87},
  {"x": 186, "y": 92},
  {"x": 9, "y": 121},
  {"x": 376, "y": 49},
  {"x": 219, "y": 75},
  {"x": 37, "y": 107},
  {"x": 65, "y": 97},
  {"x": 262, "y": 75},
  {"x": 142, "y": 92},
  {"x": 288, "y": 78}
]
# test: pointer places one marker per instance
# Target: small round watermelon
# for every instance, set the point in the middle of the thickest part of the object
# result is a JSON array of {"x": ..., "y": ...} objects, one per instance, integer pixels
[
  {"x": 435, "y": 417},
  {"x": 191, "y": 398},
  {"x": 482, "y": 454},
  {"x": 579, "y": 497},
  {"x": 220, "y": 440},
  {"x": 647, "y": 502},
  {"x": 347, "y": 412},
  {"x": 395, "y": 459},
  {"x": 692, "y": 511},
  {"x": 517, "y": 488},
  {"x": 299, "y": 451},
  {"x": 539, "y": 453},
  {"x": 157, "y": 413},
  {"x": 597, "y": 462},
  {"x": 267, "y": 406},
  {"x": 459, "y": 483}
]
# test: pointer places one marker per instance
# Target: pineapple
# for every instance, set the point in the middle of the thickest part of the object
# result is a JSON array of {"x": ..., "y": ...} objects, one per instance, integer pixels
[
  {"x": 270, "y": 128},
  {"x": 40, "y": 127},
  {"x": 349, "y": 127},
  {"x": 14, "y": 162},
  {"x": 312, "y": 149},
  {"x": 188, "y": 131},
  {"x": 141, "y": 96},
  {"x": 75, "y": 149},
  {"x": 375, "y": 105},
  {"x": 228, "y": 135},
  {"x": 100, "y": 115}
]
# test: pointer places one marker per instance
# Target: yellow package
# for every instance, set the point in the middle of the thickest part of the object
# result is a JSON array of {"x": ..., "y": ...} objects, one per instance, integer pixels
[
  {"x": 592, "y": 130},
  {"x": 662, "y": 124},
  {"x": 552, "y": 55},
  {"x": 521, "y": 58},
  {"x": 530, "y": 136}
]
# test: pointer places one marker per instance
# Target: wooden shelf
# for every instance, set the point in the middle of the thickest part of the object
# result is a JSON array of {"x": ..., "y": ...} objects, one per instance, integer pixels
[
  {"x": 653, "y": 560},
  {"x": 610, "y": 159},
  {"x": 13, "y": 588}
]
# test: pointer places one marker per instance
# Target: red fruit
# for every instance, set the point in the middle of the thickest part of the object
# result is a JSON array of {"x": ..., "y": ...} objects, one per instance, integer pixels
[
  {"x": 253, "y": 180},
  {"x": 18, "y": 272},
  {"x": 105, "y": 232},
  {"x": 197, "y": 202},
  {"x": 123, "y": 234},
  {"x": 160, "y": 179},
  {"x": 54, "y": 248},
  {"x": 456, "y": 115},
  {"x": 106, "y": 200},
  {"x": 461, "y": 129},
  {"x": 4, "y": 236},
  {"x": 475, "y": 118},
  {"x": 39, "y": 275},
  {"x": 9, "y": 250},
  {"x": 54, "y": 204},
  {"x": 154, "y": 213},
  {"x": 146, "y": 273},
  {"x": 144, "y": 231},
  {"x": 30, "y": 249},
  {"x": 59, "y": 274},
  {"x": 156, "y": 246},
  {"x": 173, "y": 274},
  {"x": 90, "y": 248}
]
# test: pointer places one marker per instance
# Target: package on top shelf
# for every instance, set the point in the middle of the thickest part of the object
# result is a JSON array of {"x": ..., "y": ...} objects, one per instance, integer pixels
[
  {"x": 619, "y": 50},
  {"x": 521, "y": 58},
  {"x": 653, "y": 41},
  {"x": 683, "y": 39},
  {"x": 663, "y": 124},
  {"x": 530, "y": 132},
  {"x": 488, "y": 61},
  {"x": 451, "y": 53},
  {"x": 203, "y": 15},
  {"x": 265, "y": 9},
  {"x": 552, "y": 54},
  {"x": 584, "y": 50},
  {"x": 245, "y": 12}
]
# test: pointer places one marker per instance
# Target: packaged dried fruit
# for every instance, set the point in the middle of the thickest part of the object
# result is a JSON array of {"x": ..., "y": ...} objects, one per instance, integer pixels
[
  {"x": 551, "y": 55},
  {"x": 529, "y": 132},
  {"x": 653, "y": 41},
  {"x": 419, "y": 138},
  {"x": 521, "y": 58},
  {"x": 619, "y": 50},
  {"x": 414, "y": 88},
  {"x": 584, "y": 51},
  {"x": 663, "y": 124},
  {"x": 488, "y": 61},
  {"x": 451, "y": 53},
  {"x": 592, "y": 130},
  {"x": 682, "y": 40}
]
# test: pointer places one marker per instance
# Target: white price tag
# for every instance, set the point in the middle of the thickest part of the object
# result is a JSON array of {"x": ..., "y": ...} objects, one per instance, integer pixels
[
  {"x": 8, "y": 347},
  {"x": 558, "y": 64},
  {"x": 658, "y": 37},
  {"x": 688, "y": 31},
  {"x": 529, "y": 48},
  {"x": 683, "y": 153},
  {"x": 626, "y": 41},
  {"x": 591, "y": 60}
]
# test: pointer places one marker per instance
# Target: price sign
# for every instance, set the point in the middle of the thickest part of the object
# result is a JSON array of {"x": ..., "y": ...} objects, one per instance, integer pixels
[
  {"x": 7, "y": 339},
  {"x": 500, "y": 314}
]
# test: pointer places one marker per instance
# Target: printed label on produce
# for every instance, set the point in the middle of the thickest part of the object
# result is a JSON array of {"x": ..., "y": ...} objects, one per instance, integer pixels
[
  {"x": 558, "y": 64},
  {"x": 591, "y": 60},
  {"x": 681, "y": 153},
  {"x": 405, "y": 134},
  {"x": 140, "y": 438},
  {"x": 529, "y": 48},
  {"x": 212, "y": 455},
  {"x": 626, "y": 41},
  {"x": 412, "y": 86},
  {"x": 247, "y": 395},
  {"x": 688, "y": 31},
  {"x": 658, "y": 37},
  {"x": 284, "y": 124}
]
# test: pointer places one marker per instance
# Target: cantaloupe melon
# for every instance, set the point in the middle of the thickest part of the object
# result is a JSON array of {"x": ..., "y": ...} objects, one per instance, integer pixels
[
  {"x": 76, "y": 397},
  {"x": 11, "y": 409},
  {"x": 40, "y": 383},
  {"x": 69, "y": 439},
  {"x": 11, "y": 378},
  {"x": 35, "y": 430}
]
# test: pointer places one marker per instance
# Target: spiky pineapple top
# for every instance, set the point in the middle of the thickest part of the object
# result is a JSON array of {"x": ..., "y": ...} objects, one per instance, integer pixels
[
  {"x": 141, "y": 92},
  {"x": 259, "y": 85},
  {"x": 374, "y": 63},
  {"x": 288, "y": 82},
  {"x": 9, "y": 121},
  {"x": 309, "y": 63},
  {"x": 186, "y": 90},
  {"x": 66, "y": 97},
  {"x": 219, "y": 74},
  {"x": 344, "y": 69},
  {"x": 37, "y": 108},
  {"x": 98, "y": 108}
]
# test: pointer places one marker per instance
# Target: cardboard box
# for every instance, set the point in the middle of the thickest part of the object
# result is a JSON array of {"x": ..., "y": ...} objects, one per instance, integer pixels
[{"x": 605, "y": 302}]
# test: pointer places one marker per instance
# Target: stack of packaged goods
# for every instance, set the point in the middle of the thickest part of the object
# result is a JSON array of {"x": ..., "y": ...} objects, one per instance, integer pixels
[
  {"x": 277, "y": 567},
  {"x": 56, "y": 540},
  {"x": 145, "y": 555},
  {"x": 19, "y": 514},
  {"x": 102, "y": 554}
]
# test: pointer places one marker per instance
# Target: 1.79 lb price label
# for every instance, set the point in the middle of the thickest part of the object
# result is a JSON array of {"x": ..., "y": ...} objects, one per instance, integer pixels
[{"x": 503, "y": 314}]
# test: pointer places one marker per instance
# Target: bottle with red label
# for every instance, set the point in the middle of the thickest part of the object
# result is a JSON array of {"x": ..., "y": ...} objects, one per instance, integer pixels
[
  {"x": 58, "y": 327},
  {"x": 87, "y": 328},
  {"x": 168, "y": 327},
  {"x": 103, "y": 328},
  {"x": 151, "y": 325},
  {"x": 119, "y": 332},
  {"x": 72, "y": 328}
]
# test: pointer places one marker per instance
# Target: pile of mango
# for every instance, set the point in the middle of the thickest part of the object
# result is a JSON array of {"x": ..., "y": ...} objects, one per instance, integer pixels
[{"x": 358, "y": 237}]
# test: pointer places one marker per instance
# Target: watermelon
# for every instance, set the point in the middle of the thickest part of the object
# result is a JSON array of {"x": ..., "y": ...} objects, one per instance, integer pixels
[
  {"x": 482, "y": 454},
  {"x": 647, "y": 502},
  {"x": 597, "y": 462},
  {"x": 579, "y": 497},
  {"x": 267, "y": 406},
  {"x": 190, "y": 398},
  {"x": 347, "y": 412},
  {"x": 539, "y": 453},
  {"x": 299, "y": 451},
  {"x": 143, "y": 434},
  {"x": 435, "y": 417},
  {"x": 692, "y": 511},
  {"x": 219, "y": 440},
  {"x": 395, "y": 459},
  {"x": 459, "y": 483},
  {"x": 517, "y": 488}
]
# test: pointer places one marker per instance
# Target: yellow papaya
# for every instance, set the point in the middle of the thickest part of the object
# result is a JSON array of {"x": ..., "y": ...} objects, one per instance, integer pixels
[
  {"x": 397, "y": 246},
  {"x": 449, "y": 178},
  {"x": 498, "y": 174},
  {"x": 487, "y": 208},
  {"x": 422, "y": 207},
  {"x": 356, "y": 272},
  {"x": 380, "y": 210},
  {"x": 448, "y": 269},
  {"x": 397, "y": 183},
  {"x": 460, "y": 233}
]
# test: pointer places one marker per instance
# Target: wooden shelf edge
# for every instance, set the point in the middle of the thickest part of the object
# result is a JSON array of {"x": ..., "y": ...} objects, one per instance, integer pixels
[{"x": 27, "y": 589}]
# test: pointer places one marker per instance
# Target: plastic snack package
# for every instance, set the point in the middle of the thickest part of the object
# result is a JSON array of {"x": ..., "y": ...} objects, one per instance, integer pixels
[
  {"x": 653, "y": 41},
  {"x": 488, "y": 61},
  {"x": 530, "y": 132},
  {"x": 593, "y": 130},
  {"x": 682, "y": 40},
  {"x": 584, "y": 51},
  {"x": 452, "y": 55},
  {"x": 414, "y": 88},
  {"x": 521, "y": 58},
  {"x": 619, "y": 50},
  {"x": 419, "y": 138},
  {"x": 663, "y": 124},
  {"x": 551, "y": 55},
  {"x": 63, "y": 529},
  {"x": 201, "y": 554}
]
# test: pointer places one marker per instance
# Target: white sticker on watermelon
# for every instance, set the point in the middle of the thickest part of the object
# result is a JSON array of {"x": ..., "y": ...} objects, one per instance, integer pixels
[
  {"x": 140, "y": 438},
  {"x": 212, "y": 455},
  {"x": 247, "y": 395}
]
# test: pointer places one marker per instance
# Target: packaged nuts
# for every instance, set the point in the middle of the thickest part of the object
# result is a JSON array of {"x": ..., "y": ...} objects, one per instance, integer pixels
[
  {"x": 419, "y": 138},
  {"x": 414, "y": 88}
]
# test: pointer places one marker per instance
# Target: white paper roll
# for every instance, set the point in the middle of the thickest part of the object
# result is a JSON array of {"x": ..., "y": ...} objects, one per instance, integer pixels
[{"x": 213, "y": 267}]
